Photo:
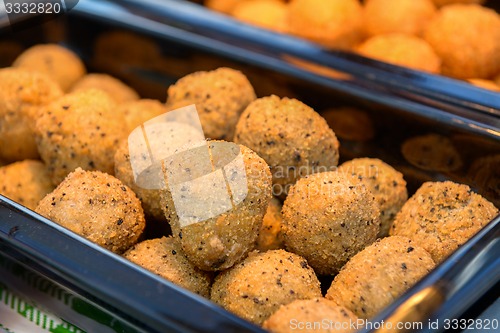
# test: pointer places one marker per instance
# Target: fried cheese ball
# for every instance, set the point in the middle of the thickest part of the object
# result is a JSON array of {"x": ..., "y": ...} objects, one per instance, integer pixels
[
  {"x": 59, "y": 63},
  {"x": 467, "y": 39},
  {"x": 270, "y": 236},
  {"x": 164, "y": 257},
  {"x": 25, "y": 182},
  {"x": 485, "y": 84},
  {"x": 403, "y": 16},
  {"x": 220, "y": 96},
  {"x": 379, "y": 274},
  {"x": 331, "y": 23},
  {"x": 98, "y": 207},
  {"x": 140, "y": 111},
  {"x": 350, "y": 123},
  {"x": 269, "y": 14},
  {"x": 441, "y": 216},
  {"x": 255, "y": 288},
  {"x": 115, "y": 88},
  {"x": 385, "y": 183},
  {"x": 21, "y": 94},
  {"x": 290, "y": 136},
  {"x": 447, "y": 2},
  {"x": 310, "y": 312},
  {"x": 79, "y": 129},
  {"x": 328, "y": 217},
  {"x": 220, "y": 240},
  {"x": 402, "y": 50}
]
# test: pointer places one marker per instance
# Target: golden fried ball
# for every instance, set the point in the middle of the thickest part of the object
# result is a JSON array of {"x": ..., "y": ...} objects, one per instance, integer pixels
[
  {"x": 269, "y": 14},
  {"x": 98, "y": 207},
  {"x": 290, "y": 136},
  {"x": 60, "y": 63},
  {"x": 447, "y": 2},
  {"x": 220, "y": 96},
  {"x": 255, "y": 288},
  {"x": 379, "y": 274},
  {"x": 402, "y": 50},
  {"x": 332, "y": 23},
  {"x": 317, "y": 314},
  {"x": 164, "y": 257},
  {"x": 270, "y": 236},
  {"x": 21, "y": 94},
  {"x": 467, "y": 39},
  {"x": 140, "y": 111},
  {"x": 441, "y": 216},
  {"x": 328, "y": 217},
  {"x": 25, "y": 182},
  {"x": 350, "y": 123},
  {"x": 385, "y": 183},
  {"x": 485, "y": 84},
  {"x": 116, "y": 89},
  {"x": 224, "y": 6},
  {"x": 79, "y": 130}
]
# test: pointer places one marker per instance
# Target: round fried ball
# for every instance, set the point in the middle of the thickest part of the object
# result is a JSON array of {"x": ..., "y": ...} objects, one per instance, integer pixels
[
  {"x": 220, "y": 96},
  {"x": 467, "y": 39},
  {"x": 255, "y": 288},
  {"x": 21, "y": 94},
  {"x": 485, "y": 84},
  {"x": 224, "y": 6},
  {"x": 269, "y": 14},
  {"x": 310, "y": 312},
  {"x": 447, "y": 2},
  {"x": 441, "y": 216},
  {"x": 164, "y": 257},
  {"x": 220, "y": 239},
  {"x": 385, "y": 183},
  {"x": 350, "y": 123},
  {"x": 270, "y": 236},
  {"x": 118, "y": 90},
  {"x": 79, "y": 130},
  {"x": 290, "y": 136},
  {"x": 402, "y": 50},
  {"x": 328, "y": 217},
  {"x": 379, "y": 274},
  {"x": 332, "y": 23},
  {"x": 402, "y": 16},
  {"x": 60, "y": 63},
  {"x": 98, "y": 207},
  {"x": 25, "y": 182},
  {"x": 140, "y": 111}
]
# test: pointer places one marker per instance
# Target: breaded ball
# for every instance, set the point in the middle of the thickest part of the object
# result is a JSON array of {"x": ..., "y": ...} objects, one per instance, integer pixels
[
  {"x": 140, "y": 111},
  {"x": 290, "y": 136},
  {"x": 402, "y": 16},
  {"x": 402, "y": 50},
  {"x": 485, "y": 175},
  {"x": 270, "y": 236},
  {"x": 115, "y": 88},
  {"x": 21, "y": 94},
  {"x": 60, "y": 63},
  {"x": 224, "y": 6},
  {"x": 269, "y": 14},
  {"x": 485, "y": 84},
  {"x": 79, "y": 130},
  {"x": 332, "y": 23},
  {"x": 218, "y": 241},
  {"x": 379, "y": 274},
  {"x": 350, "y": 123},
  {"x": 220, "y": 97},
  {"x": 164, "y": 257},
  {"x": 317, "y": 314},
  {"x": 385, "y": 183},
  {"x": 98, "y": 207},
  {"x": 25, "y": 182},
  {"x": 441, "y": 216},
  {"x": 467, "y": 39},
  {"x": 447, "y": 2},
  {"x": 255, "y": 288},
  {"x": 328, "y": 217}
]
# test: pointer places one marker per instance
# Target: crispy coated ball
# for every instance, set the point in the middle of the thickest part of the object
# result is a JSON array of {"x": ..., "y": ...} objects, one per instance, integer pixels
[
  {"x": 385, "y": 183},
  {"x": 98, "y": 207},
  {"x": 467, "y": 39},
  {"x": 328, "y": 217},
  {"x": 485, "y": 174},
  {"x": 79, "y": 130},
  {"x": 164, "y": 257},
  {"x": 402, "y": 16},
  {"x": 116, "y": 89},
  {"x": 269, "y": 14},
  {"x": 255, "y": 288},
  {"x": 290, "y": 136},
  {"x": 61, "y": 64},
  {"x": 332, "y": 23},
  {"x": 379, "y": 274},
  {"x": 220, "y": 97},
  {"x": 447, "y": 2},
  {"x": 350, "y": 124},
  {"x": 220, "y": 240},
  {"x": 270, "y": 236},
  {"x": 224, "y": 6},
  {"x": 21, "y": 94},
  {"x": 485, "y": 84},
  {"x": 441, "y": 216},
  {"x": 402, "y": 50},
  {"x": 308, "y": 312},
  {"x": 140, "y": 111},
  {"x": 25, "y": 182}
]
